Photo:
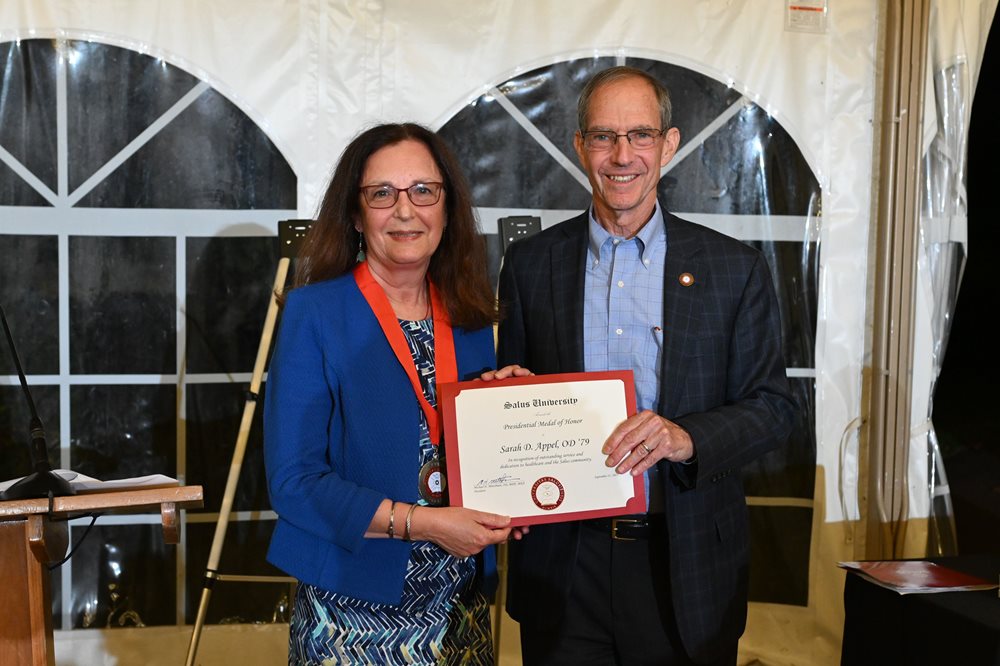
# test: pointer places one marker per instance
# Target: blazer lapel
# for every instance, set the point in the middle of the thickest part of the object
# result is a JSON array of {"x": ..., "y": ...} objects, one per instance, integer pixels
[
  {"x": 681, "y": 315},
  {"x": 568, "y": 256}
]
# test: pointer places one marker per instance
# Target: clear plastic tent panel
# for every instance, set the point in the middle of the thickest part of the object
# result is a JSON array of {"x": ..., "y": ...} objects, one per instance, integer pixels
[
  {"x": 943, "y": 234},
  {"x": 162, "y": 315}
]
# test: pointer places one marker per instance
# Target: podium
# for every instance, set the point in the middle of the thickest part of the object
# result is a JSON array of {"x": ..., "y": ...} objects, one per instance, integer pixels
[{"x": 34, "y": 533}]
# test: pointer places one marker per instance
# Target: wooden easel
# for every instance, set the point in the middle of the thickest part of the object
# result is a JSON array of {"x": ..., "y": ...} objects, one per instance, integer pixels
[{"x": 290, "y": 236}]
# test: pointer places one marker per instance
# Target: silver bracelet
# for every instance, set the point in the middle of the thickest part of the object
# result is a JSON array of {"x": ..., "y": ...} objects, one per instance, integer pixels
[{"x": 409, "y": 515}]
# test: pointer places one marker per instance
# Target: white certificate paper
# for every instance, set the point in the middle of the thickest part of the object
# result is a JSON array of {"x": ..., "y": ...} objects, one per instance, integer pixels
[{"x": 530, "y": 447}]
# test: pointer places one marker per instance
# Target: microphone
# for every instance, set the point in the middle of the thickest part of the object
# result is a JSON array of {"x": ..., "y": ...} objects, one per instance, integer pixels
[{"x": 43, "y": 482}]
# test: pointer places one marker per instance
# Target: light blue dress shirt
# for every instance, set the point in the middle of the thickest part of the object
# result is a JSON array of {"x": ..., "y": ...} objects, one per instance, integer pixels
[{"x": 623, "y": 312}]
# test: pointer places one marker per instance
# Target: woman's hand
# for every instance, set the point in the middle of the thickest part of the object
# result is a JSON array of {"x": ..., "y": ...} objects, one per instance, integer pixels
[
  {"x": 505, "y": 372},
  {"x": 459, "y": 531},
  {"x": 455, "y": 533}
]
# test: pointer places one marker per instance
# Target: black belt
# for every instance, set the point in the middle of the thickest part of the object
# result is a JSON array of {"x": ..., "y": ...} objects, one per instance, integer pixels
[{"x": 625, "y": 528}]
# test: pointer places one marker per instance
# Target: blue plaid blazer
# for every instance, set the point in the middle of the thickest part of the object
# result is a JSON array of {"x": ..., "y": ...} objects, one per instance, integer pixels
[{"x": 723, "y": 380}]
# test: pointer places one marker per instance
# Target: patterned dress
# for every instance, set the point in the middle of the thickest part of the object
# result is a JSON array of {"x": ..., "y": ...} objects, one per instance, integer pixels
[{"x": 442, "y": 617}]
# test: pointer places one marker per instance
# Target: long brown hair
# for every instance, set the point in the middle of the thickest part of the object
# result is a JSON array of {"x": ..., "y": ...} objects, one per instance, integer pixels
[{"x": 458, "y": 265}]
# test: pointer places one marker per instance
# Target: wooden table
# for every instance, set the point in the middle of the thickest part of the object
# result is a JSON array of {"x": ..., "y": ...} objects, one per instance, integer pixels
[{"x": 34, "y": 533}]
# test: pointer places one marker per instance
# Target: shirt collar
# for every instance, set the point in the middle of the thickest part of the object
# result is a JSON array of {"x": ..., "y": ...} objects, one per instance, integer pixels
[{"x": 650, "y": 232}]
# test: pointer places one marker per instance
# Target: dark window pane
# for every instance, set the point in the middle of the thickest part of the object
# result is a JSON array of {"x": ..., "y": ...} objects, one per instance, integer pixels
[
  {"x": 229, "y": 283},
  {"x": 123, "y": 576},
  {"x": 505, "y": 166},
  {"x": 29, "y": 293},
  {"x": 15, "y": 439},
  {"x": 214, "y": 412},
  {"x": 779, "y": 554},
  {"x": 750, "y": 166},
  {"x": 697, "y": 100},
  {"x": 547, "y": 97},
  {"x": 15, "y": 190},
  {"x": 795, "y": 270},
  {"x": 244, "y": 552},
  {"x": 120, "y": 432},
  {"x": 28, "y": 106},
  {"x": 122, "y": 305},
  {"x": 112, "y": 96},
  {"x": 211, "y": 156}
]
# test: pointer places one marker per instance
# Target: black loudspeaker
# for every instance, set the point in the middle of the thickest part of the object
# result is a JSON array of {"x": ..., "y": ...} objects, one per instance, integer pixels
[
  {"x": 515, "y": 228},
  {"x": 291, "y": 234}
]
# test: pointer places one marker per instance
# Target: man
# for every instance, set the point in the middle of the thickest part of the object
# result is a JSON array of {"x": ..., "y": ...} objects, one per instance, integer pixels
[{"x": 627, "y": 285}]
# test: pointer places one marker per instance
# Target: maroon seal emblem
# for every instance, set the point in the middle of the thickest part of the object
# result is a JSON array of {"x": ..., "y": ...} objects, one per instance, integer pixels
[{"x": 547, "y": 493}]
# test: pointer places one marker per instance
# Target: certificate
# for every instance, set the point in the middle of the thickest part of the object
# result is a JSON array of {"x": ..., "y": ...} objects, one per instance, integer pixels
[{"x": 530, "y": 447}]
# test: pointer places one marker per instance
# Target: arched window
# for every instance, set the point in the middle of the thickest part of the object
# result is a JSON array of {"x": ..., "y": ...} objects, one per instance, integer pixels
[
  {"x": 138, "y": 207},
  {"x": 738, "y": 171}
]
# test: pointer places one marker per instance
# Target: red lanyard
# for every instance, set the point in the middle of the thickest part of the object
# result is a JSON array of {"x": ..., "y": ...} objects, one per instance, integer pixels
[{"x": 445, "y": 365}]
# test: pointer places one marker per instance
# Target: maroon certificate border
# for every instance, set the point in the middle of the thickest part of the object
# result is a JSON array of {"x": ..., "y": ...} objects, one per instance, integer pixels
[{"x": 447, "y": 393}]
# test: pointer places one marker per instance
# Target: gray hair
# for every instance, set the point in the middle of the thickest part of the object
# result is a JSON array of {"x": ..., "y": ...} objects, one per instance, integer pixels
[{"x": 613, "y": 74}]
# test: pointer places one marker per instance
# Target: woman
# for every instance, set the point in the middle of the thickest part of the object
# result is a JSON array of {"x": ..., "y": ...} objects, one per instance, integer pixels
[{"x": 391, "y": 297}]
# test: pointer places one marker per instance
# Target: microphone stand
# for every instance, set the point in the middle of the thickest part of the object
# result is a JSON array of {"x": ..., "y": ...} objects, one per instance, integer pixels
[{"x": 43, "y": 482}]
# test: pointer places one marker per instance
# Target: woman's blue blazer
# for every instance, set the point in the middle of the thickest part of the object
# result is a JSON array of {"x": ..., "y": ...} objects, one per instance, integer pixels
[{"x": 341, "y": 433}]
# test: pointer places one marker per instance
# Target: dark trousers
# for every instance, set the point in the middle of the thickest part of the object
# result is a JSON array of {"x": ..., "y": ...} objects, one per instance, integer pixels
[{"x": 619, "y": 611}]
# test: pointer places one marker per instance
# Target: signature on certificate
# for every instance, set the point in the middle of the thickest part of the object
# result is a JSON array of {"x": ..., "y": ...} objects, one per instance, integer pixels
[{"x": 500, "y": 481}]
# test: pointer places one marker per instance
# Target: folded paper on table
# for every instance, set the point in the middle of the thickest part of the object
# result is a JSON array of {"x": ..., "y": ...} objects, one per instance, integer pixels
[
  {"x": 913, "y": 576},
  {"x": 530, "y": 447},
  {"x": 84, "y": 484}
]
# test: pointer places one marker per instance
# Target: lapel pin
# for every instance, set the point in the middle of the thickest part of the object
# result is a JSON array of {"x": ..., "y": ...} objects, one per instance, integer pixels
[{"x": 686, "y": 279}]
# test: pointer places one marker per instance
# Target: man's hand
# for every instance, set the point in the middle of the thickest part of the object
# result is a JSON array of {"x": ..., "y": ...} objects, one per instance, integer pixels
[{"x": 640, "y": 441}]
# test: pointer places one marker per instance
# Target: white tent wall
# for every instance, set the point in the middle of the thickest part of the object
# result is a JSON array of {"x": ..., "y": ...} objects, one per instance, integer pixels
[{"x": 312, "y": 73}]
